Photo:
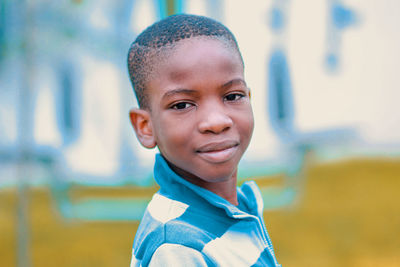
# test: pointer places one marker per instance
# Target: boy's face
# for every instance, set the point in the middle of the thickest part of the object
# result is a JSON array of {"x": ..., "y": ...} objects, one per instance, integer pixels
[{"x": 200, "y": 114}]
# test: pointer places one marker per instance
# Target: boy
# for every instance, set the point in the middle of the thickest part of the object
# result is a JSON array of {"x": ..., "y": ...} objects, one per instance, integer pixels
[{"x": 194, "y": 105}]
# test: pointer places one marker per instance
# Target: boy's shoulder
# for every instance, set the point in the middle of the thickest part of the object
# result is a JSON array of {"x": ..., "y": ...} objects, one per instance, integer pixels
[
  {"x": 185, "y": 215},
  {"x": 167, "y": 220}
]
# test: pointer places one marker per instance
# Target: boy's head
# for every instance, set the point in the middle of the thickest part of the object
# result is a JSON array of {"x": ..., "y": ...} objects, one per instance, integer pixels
[
  {"x": 154, "y": 43},
  {"x": 188, "y": 76}
]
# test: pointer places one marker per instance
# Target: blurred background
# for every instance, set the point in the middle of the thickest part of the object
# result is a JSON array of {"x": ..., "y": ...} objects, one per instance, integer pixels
[{"x": 74, "y": 181}]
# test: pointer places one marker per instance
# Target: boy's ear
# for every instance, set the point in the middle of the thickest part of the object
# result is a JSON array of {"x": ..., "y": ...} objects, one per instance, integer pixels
[{"x": 141, "y": 122}]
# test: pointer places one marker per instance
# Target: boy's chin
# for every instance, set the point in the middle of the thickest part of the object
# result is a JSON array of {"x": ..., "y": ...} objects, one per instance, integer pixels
[
  {"x": 206, "y": 173},
  {"x": 208, "y": 176}
]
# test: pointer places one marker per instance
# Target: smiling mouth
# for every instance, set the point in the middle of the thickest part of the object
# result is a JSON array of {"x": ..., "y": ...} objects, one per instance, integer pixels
[{"x": 218, "y": 152}]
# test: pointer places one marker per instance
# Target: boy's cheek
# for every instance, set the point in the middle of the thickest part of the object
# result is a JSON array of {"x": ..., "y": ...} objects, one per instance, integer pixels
[{"x": 246, "y": 118}]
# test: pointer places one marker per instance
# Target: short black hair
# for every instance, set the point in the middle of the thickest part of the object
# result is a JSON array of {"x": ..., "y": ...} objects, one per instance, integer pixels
[{"x": 149, "y": 45}]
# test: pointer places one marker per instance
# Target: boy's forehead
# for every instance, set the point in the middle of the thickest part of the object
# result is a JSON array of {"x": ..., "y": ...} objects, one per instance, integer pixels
[
  {"x": 193, "y": 62},
  {"x": 182, "y": 51},
  {"x": 176, "y": 59}
]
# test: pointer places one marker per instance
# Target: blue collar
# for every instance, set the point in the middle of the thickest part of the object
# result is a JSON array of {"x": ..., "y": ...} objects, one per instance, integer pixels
[{"x": 174, "y": 186}]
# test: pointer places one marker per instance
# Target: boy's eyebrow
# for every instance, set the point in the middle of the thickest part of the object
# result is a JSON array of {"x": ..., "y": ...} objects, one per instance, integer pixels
[
  {"x": 193, "y": 92},
  {"x": 234, "y": 81},
  {"x": 178, "y": 91}
]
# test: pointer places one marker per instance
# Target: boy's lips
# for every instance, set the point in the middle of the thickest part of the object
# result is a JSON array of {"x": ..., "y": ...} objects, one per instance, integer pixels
[{"x": 218, "y": 152}]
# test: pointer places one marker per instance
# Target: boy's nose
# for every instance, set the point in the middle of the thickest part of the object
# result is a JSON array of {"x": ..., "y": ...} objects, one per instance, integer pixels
[{"x": 214, "y": 121}]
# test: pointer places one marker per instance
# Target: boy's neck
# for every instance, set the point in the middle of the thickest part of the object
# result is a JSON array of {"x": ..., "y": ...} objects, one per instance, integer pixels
[{"x": 225, "y": 189}]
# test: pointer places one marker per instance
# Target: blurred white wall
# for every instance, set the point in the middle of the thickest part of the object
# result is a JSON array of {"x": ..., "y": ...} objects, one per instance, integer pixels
[{"x": 362, "y": 93}]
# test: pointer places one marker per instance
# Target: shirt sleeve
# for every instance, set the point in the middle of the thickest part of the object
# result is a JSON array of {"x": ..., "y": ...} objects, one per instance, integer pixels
[{"x": 177, "y": 256}]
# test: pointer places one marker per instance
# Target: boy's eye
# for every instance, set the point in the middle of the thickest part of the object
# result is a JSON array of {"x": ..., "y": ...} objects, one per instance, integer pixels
[
  {"x": 234, "y": 97},
  {"x": 181, "y": 105}
]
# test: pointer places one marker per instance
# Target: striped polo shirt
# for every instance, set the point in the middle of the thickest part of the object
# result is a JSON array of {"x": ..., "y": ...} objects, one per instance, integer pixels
[{"x": 186, "y": 225}]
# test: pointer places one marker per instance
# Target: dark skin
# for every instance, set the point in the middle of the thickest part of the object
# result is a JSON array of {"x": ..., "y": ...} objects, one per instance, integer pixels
[{"x": 199, "y": 114}]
